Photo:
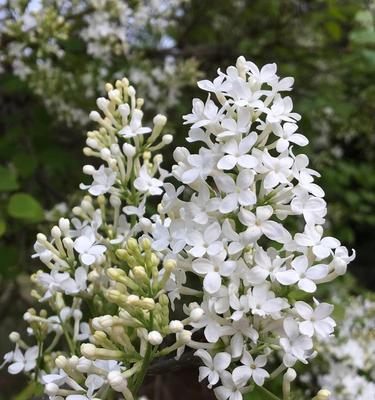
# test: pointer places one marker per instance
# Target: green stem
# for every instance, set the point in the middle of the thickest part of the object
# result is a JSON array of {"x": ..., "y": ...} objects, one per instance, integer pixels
[
  {"x": 68, "y": 339},
  {"x": 142, "y": 373},
  {"x": 270, "y": 394},
  {"x": 39, "y": 360}
]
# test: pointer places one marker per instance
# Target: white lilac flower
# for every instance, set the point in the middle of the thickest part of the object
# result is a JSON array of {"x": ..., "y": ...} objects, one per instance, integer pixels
[
  {"x": 203, "y": 114},
  {"x": 88, "y": 249},
  {"x": 213, "y": 366},
  {"x": 312, "y": 237},
  {"x": 259, "y": 224},
  {"x": 277, "y": 169},
  {"x": 229, "y": 389},
  {"x": 303, "y": 274},
  {"x": 55, "y": 282},
  {"x": 235, "y": 127},
  {"x": 206, "y": 242},
  {"x": 23, "y": 361},
  {"x": 295, "y": 345},
  {"x": 251, "y": 368},
  {"x": 135, "y": 127},
  {"x": 104, "y": 178},
  {"x": 281, "y": 110},
  {"x": 315, "y": 320},
  {"x": 262, "y": 301},
  {"x": 145, "y": 183},
  {"x": 237, "y": 193},
  {"x": 312, "y": 208},
  {"x": 213, "y": 269},
  {"x": 237, "y": 153},
  {"x": 287, "y": 135}
]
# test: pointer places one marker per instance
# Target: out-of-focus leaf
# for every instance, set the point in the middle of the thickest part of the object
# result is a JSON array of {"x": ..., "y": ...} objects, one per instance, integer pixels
[
  {"x": 33, "y": 389},
  {"x": 24, "y": 206},
  {"x": 338, "y": 312},
  {"x": 25, "y": 164},
  {"x": 8, "y": 261},
  {"x": 363, "y": 37},
  {"x": 334, "y": 29},
  {"x": 364, "y": 17},
  {"x": 3, "y": 226},
  {"x": 8, "y": 180},
  {"x": 296, "y": 295}
]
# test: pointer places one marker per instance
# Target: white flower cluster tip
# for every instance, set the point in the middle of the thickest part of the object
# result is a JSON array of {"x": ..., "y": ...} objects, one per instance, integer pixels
[
  {"x": 116, "y": 269},
  {"x": 249, "y": 188}
]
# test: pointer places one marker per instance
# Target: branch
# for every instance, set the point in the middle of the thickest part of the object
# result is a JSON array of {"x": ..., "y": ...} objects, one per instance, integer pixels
[{"x": 163, "y": 365}]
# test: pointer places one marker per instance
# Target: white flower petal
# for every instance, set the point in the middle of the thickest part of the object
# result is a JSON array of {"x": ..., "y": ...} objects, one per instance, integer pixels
[{"x": 212, "y": 282}]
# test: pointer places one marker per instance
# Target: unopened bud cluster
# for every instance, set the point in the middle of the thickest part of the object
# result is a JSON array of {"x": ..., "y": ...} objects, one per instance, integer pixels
[{"x": 104, "y": 287}]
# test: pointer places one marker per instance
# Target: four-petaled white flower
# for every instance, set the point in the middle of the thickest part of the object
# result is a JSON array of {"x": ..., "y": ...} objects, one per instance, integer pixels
[
  {"x": 277, "y": 169},
  {"x": 23, "y": 361},
  {"x": 88, "y": 249},
  {"x": 251, "y": 368},
  {"x": 213, "y": 269},
  {"x": 104, "y": 178},
  {"x": 237, "y": 153},
  {"x": 229, "y": 389},
  {"x": 145, "y": 183},
  {"x": 206, "y": 242},
  {"x": 287, "y": 134},
  {"x": 312, "y": 237},
  {"x": 281, "y": 110},
  {"x": 263, "y": 301},
  {"x": 237, "y": 192},
  {"x": 259, "y": 224},
  {"x": 214, "y": 366},
  {"x": 303, "y": 273},
  {"x": 315, "y": 320},
  {"x": 134, "y": 128},
  {"x": 295, "y": 345},
  {"x": 203, "y": 114},
  {"x": 312, "y": 208}
]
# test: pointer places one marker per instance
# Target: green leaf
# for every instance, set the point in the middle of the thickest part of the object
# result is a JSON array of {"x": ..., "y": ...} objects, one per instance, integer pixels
[
  {"x": 8, "y": 180},
  {"x": 24, "y": 206}
]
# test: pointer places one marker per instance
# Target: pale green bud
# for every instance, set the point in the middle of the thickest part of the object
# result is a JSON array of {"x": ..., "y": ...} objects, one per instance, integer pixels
[
  {"x": 184, "y": 337},
  {"x": 163, "y": 300},
  {"x": 323, "y": 395}
]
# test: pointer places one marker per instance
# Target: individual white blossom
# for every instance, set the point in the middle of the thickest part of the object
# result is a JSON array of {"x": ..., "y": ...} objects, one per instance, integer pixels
[
  {"x": 213, "y": 366},
  {"x": 23, "y": 361},
  {"x": 88, "y": 250},
  {"x": 251, "y": 368}
]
